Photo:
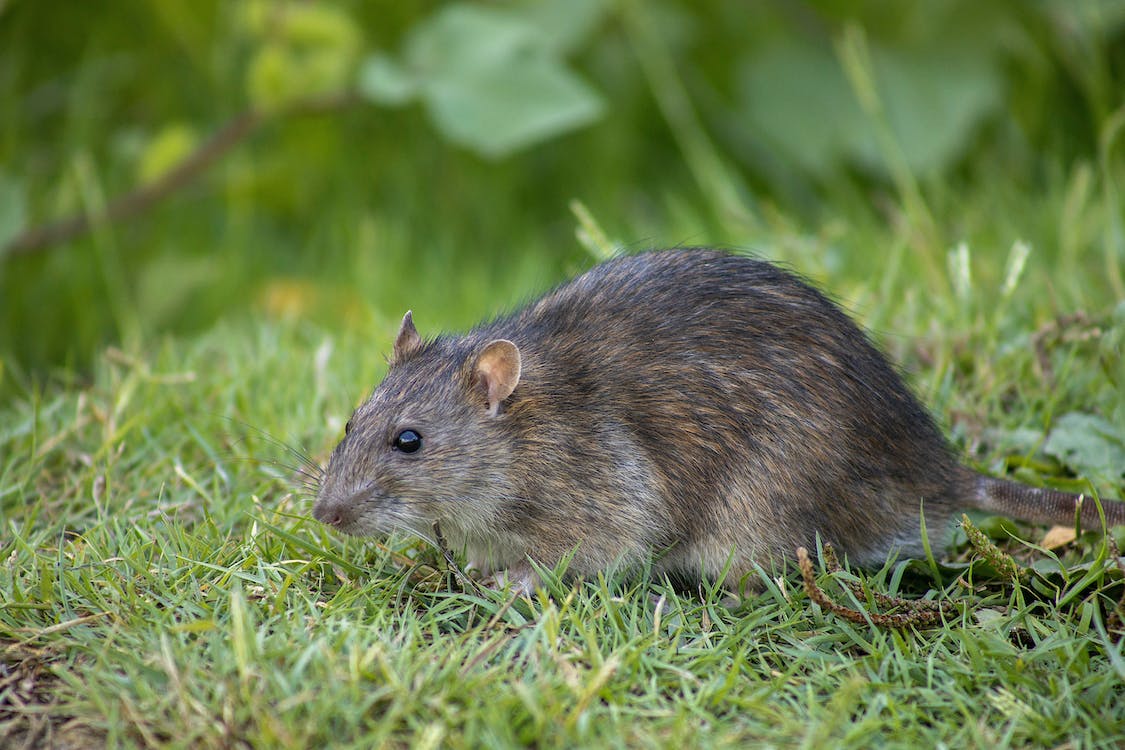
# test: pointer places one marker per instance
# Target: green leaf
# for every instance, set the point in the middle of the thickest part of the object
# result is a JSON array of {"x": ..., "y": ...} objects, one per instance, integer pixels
[
  {"x": 499, "y": 110},
  {"x": 269, "y": 76},
  {"x": 1089, "y": 444},
  {"x": 935, "y": 98},
  {"x": 321, "y": 26},
  {"x": 165, "y": 151},
  {"x": 491, "y": 78},
  {"x": 384, "y": 81},
  {"x": 797, "y": 97},
  {"x": 464, "y": 38},
  {"x": 306, "y": 51},
  {"x": 13, "y": 208}
]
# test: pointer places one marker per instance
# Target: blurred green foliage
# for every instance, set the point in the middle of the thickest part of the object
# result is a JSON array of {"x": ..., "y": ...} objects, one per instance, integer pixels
[
  {"x": 432, "y": 149},
  {"x": 496, "y": 96}
]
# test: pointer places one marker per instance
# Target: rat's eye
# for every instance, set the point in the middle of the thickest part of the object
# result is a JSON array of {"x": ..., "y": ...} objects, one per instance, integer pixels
[
  {"x": 347, "y": 427},
  {"x": 407, "y": 441}
]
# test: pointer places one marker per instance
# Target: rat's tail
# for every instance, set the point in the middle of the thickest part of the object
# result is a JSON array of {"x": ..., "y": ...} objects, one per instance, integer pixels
[{"x": 1042, "y": 505}]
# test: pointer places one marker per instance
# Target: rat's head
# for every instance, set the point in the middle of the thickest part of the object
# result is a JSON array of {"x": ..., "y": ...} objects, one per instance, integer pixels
[{"x": 428, "y": 443}]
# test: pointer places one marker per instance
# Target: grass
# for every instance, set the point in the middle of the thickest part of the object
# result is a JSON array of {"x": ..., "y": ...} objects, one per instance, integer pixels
[{"x": 164, "y": 585}]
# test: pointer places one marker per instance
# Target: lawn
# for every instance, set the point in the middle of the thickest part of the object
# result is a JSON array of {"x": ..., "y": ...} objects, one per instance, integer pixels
[{"x": 163, "y": 581}]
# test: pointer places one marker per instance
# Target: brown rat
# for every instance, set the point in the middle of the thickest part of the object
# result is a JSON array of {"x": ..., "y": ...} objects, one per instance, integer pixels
[{"x": 693, "y": 406}]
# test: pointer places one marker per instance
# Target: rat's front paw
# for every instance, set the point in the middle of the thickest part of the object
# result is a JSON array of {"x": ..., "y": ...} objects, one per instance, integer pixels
[{"x": 521, "y": 578}]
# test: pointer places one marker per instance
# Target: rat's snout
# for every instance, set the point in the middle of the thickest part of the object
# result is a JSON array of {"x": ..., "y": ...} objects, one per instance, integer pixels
[{"x": 335, "y": 512}]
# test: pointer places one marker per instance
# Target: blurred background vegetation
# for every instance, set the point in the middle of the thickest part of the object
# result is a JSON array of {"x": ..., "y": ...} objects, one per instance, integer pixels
[{"x": 166, "y": 163}]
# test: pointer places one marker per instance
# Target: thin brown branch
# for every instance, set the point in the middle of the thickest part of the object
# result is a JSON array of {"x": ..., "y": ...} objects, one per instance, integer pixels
[{"x": 139, "y": 201}]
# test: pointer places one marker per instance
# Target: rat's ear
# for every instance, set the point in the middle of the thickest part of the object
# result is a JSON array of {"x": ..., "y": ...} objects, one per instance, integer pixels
[
  {"x": 408, "y": 342},
  {"x": 497, "y": 372}
]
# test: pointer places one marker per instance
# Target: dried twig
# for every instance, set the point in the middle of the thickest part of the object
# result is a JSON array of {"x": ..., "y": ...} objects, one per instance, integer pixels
[
  {"x": 920, "y": 615},
  {"x": 832, "y": 563}
]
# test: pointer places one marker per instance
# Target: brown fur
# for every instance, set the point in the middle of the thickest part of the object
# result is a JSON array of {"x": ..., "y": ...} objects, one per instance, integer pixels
[{"x": 704, "y": 407}]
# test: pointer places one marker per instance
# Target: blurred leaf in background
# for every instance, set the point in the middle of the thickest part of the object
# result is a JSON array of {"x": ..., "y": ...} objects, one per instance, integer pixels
[
  {"x": 933, "y": 96},
  {"x": 165, "y": 150},
  {"x": 495, "y": 97},
  {"x": 302, "y": 50},
  {"x": 1090, "y": 444}
]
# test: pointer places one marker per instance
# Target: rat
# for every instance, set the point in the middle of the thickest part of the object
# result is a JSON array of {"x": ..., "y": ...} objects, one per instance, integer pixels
[{"x": 691, "y": 409}]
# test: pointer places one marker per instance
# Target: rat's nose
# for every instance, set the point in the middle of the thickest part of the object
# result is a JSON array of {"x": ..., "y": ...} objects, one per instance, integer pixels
[{"x": 334, "y": 513}]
